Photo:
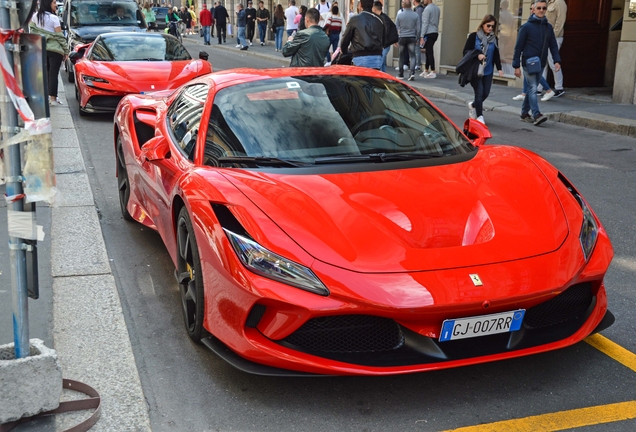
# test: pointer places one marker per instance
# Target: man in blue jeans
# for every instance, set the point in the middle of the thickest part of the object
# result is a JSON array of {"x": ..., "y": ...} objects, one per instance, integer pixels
[
  {"x": 366, "y": 34},
  {"x": 535, "y": 37},
  {"x": 241, "y": 22}
]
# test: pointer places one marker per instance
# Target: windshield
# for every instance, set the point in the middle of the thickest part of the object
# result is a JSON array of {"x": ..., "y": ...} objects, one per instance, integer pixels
[
  {"x": 138, "y": 47},
  {"x": 89, "y": 13},
  {"x": 318, "y": 119}
]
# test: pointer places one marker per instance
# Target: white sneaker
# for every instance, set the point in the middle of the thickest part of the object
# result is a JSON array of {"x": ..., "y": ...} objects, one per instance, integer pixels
[
  {"x": 424, "y": 73},
  {"x": 405, "y": 67},
  {"x": 431, "y": 75},
  {"x": 546, "y": 97},
  {"x": 471, "y": 111},
  {"x": 481, "y": 120},
  {"x": 397, "y": 68},
  {"x": 238, "y": 46},
  {"x": 519, "y": 97},
  {"x": 327, "y": 64},
  {"x": 250, "y": 43}
]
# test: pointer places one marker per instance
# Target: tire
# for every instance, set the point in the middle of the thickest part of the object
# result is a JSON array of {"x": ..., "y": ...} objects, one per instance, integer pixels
[
  {"x": 82, "y": 113},
  {"x": 70, "y": 73},
  {"x": 123, "y": 184},
  {"x": 189, "y": 277},
  {"x": 77, "y": 95}
]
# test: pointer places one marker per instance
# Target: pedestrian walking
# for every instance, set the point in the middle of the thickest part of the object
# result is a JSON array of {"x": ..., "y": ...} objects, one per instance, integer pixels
[
  {"x": 251, "y": 21},
  {"x": 206, "y": 21},
  {"x": 407, "y": 24},
  {"x": 390, "y": 31},
  {"x": 193, "y": 16},
  {"x": 290, "y": 16},
  {"x": 333, "y": 28},
  {"x": 214, "y": 5},
  {"x": 46, "y": 23},
  {"x": 486, "y": 43},
  {"x": 300, "y": 18},
  {"x": 556, "y": 15},
  {"x": 535, "y": 38},
  {"x": 366, "y": 35},
  {"x": 262, "y": 16},
  {"x": 149, "y": 16},
  {"x": 428, "y": 36},
  {"x": 419, "y": 10},
  {"x": 278, "y": 26},
  {"x": 308, "y": 47},
  {"x": 241, "y": 22},
  {"x": 220, "y": 19},
  {"x": 186, "y": 18}
]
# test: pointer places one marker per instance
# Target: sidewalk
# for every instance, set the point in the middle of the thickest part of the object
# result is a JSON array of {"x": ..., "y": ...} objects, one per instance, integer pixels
[{"x": 585, "y": 107}]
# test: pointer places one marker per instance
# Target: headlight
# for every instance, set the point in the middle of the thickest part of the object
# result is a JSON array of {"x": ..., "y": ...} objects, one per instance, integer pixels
[
  {"x": 589, "y": 230},
  {"x": 270, "y": 265},
  {"x": 90, "y": 80}
]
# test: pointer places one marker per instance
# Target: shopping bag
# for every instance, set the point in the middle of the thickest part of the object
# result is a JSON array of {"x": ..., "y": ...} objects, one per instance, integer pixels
[{"x": 229, "y": 29}]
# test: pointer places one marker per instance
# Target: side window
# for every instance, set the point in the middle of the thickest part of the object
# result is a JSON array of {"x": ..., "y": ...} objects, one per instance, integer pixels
[{"x": 184, "y": 117}]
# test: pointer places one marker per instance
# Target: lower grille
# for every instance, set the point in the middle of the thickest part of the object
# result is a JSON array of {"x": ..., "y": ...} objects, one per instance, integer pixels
[
  {"x": 571, "y": 303},
  {"x": 347, "y": 334},
  {"x": 105, "y": 101}
]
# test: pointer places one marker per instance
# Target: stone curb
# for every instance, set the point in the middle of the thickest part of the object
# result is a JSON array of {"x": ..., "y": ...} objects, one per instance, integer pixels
[{"x": 89, "y": 330}]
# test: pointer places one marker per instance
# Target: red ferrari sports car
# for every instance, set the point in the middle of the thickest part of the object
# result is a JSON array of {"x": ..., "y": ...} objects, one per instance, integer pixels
[
  {"x": 117, "y": 64},
  {"x": 333, "y": 221}
]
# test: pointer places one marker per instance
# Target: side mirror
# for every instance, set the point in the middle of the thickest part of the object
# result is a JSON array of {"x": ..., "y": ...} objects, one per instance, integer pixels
[
  {"x": 204, "y": 55},
  {"x": 156, "y": 149},
  {"x": 477, "y": 132},
  {"x": 75, "y": 56}
]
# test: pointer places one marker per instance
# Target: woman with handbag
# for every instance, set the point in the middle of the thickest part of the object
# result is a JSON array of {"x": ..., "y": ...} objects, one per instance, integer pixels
[
  {"x": 484, "y": 41},
  {"x": 278, "y": 26},
  {"x": 46, "y": 23}
]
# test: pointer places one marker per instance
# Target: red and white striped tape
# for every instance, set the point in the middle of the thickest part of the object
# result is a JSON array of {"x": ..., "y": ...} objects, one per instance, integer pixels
[{"x": 16, "y": 95}]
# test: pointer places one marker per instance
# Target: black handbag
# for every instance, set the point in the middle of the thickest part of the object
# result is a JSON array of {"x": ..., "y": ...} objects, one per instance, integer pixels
[{"x": 343, "y": 59}]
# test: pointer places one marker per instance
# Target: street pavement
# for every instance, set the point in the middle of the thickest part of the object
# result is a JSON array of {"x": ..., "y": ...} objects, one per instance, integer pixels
[{"x": 87, "y": 323}]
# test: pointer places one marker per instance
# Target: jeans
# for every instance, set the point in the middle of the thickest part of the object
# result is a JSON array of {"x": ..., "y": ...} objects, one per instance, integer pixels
[
  {"x": 334, "y": 38},
  {"x": 250, "y": 30},
  {"x": 241, "y": 36},
  {"x": 418, "y": 53},
  {"x": 372, "y": 61},
  {"x": 221, "y": 29},
  {"x": 430, "y": 58},
  {"x": 206, "y": 35},
  {"x": 407, "y": 44},
  {"x": 290, "y": 31},
  {"x": 53, "y": 63},
  {"x": 542, "y": 82},
  {"x": 481, "y": 87},
  {"x": 279, "y": 37},
  {"x": 530, "y": 102},
  {"x": 558, "y": 76},
  {"x": 385, "y": 52},
  {"x": 262, "y": 30}
]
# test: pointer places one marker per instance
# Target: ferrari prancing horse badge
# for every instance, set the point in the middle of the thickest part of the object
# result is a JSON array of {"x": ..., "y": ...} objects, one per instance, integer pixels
[{"x": 475, "y": 278}]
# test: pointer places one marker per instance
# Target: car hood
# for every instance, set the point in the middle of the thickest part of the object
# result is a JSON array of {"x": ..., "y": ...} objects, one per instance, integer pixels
[
  {"x": 144, "y": 75},
  {"x": 496, "y": 207},
  {"x": 90, "y": 32}
]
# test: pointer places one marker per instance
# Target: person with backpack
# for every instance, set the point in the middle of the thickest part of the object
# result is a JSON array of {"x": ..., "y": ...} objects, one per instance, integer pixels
[{"x": 390, "y": 30}]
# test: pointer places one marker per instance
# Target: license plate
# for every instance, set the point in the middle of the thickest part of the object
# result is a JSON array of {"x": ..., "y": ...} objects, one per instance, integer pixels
[{"x": 484, "y": 325}]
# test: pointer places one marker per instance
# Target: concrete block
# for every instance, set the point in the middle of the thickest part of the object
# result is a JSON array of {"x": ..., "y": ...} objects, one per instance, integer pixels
[
  {"x": 74, "y": 189},
  {"x": 78, "y": 246},
  {"x": 31, "y": 385},
  {"x": 600, "y": 122},
  {"x": 65, "y": 138},
  {"x": 68, "y": 160}
]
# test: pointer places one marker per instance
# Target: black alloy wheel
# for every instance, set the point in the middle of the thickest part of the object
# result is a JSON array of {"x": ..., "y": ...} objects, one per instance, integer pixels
[
  {"x": 70, "y": 73},
  {"x": 189, "y": 277},
  {"x": 77, "y": 95},
  {"x": 123, "y": 185}
]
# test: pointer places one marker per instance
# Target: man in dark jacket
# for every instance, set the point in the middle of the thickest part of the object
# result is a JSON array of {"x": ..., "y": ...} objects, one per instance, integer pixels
[
  {"x": 390, "y": 29},
  {"x": 535, "y": 37},
  {"x": 309, "y": 47},
  {"x": 251, "y": 21},
  {"x": 220, "y": 18},
  {"x": 366, "y": 34}
]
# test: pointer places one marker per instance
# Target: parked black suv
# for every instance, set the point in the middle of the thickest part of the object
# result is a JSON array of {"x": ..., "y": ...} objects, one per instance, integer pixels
[{"x": 84, "y": 20}]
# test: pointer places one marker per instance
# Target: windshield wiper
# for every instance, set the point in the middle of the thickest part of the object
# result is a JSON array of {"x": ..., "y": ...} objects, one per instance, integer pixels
[
  {"x": 261, "y": 161},
  {"x": 375, "y": 157}
]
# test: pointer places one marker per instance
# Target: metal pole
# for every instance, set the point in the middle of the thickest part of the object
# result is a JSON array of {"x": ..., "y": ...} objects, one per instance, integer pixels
[{"x": 9, "y": 20}]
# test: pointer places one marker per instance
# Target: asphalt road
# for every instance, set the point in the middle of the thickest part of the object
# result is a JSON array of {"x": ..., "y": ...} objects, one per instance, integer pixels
[{"x": 189, "y": 388}]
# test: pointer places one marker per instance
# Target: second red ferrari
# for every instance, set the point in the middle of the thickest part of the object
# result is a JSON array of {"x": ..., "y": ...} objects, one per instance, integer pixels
[{"x": 117, "y": 64}]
